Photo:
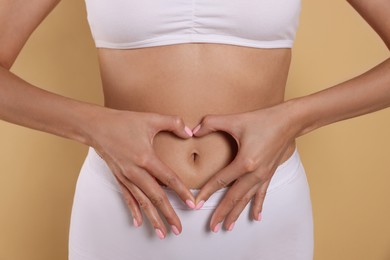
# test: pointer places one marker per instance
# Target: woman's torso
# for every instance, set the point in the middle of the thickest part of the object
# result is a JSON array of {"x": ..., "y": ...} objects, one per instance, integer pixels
[{"x": 192, "y": 80}]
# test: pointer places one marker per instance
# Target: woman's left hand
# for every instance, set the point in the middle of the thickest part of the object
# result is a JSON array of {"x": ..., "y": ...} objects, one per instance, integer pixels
[{"x": 263, "y": 137}]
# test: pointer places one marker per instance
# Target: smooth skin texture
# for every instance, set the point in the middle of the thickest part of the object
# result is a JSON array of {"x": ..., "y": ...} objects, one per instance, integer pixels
[
  {"x": 137, "y": 166},
  {"x": 183, "y": 81},
  {"x": 191, "y": 80},
  {"x": 254, "y": 75},
  {"x": 261, "y": 147}
]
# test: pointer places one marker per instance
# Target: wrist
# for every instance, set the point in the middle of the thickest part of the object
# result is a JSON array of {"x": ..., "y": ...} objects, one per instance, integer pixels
[
  {"x": 92, "y": 118},
  {"x": 297, "y": 117}
]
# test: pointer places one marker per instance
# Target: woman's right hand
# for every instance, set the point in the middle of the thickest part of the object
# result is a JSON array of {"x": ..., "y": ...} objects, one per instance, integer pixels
[{"x": 124, "y": 139}]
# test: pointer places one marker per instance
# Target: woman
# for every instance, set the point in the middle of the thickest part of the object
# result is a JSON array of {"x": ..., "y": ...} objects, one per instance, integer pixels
[{"x": 233, "y": 66}]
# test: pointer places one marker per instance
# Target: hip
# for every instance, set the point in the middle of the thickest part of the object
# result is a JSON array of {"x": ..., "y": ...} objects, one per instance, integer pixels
[
  {"x": 95, "y": 166},
  {"x": 101, "y": 224}
]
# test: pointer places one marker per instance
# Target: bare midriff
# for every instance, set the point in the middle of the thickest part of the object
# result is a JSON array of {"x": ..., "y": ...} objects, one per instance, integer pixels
[{"x": 193, "y": 80}]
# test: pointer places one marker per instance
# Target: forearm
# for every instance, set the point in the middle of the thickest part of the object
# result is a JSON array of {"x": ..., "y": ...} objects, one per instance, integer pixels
[
  {"x": 361, "y": 95},
  {"x": 26, "y": 105}
]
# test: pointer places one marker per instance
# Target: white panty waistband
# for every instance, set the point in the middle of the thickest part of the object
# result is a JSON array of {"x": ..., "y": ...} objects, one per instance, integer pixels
[{"x": 284, "y": 174}]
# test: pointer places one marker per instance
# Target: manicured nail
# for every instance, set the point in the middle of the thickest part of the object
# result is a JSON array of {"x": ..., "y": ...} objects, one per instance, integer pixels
[
  {"x": 190, "y": 204},
  {"x": 217, "y": 227},
  {"x": 135, "y": 222},
  {"x": 259, "y": 217},
  {"x": 159, "y": 233},
  {"x": 231, "y": 226},
  {"x": 175, "y": 230},
  {"x": 196, "y": 129},
  {"x": 188, "y": 130},
  {"x": 200, "y": 204}
]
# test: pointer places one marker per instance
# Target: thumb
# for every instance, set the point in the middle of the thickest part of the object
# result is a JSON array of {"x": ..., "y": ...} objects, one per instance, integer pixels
[
  {"x": 213, "y": 123},
  {"x": 173, "y": 124}
]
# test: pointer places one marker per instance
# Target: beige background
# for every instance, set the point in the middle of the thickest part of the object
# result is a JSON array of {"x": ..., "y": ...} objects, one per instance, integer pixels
[{"x": 347, "y": 163}]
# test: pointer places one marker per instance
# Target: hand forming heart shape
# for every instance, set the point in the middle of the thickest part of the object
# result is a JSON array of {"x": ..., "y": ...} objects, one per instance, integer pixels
[{"x": 263, "y": 138}]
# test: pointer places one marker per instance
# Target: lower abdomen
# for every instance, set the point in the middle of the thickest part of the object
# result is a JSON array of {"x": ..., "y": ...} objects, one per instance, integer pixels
[{"x": 193, "y": 81}]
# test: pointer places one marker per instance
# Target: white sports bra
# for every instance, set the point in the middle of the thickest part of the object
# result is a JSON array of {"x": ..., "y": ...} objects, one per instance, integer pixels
[{"x": 126, "y": 24}]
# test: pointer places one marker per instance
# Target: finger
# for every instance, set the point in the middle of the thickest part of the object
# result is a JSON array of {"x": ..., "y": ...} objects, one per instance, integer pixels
[
  {"x": 162, "y": 172},
  {"x": 130, "y": 200},
  {"x": 259, "y": 200},
  {"x": 149, "y": 209},
  {"x": 239, "y": 207},
  {"x": 132, "y": 204},
  {"x": 213, "y": 123},
  {"x": 157, "y": 198},
  {"x": 232, "y": 198},
  {"x": 220, "y": 180},
  {"x": 173, "y": 124}
]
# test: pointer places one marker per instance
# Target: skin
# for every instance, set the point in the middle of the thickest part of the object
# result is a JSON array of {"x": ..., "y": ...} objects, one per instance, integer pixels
[
  {"x": 149, "y": 79},
  {"x": 153, "y": 93},
  {"x": 259, "y": 150}
]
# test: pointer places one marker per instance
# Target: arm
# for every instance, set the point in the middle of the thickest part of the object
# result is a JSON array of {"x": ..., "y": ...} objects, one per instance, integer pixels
[
  {"x": 133, "y": 162},
  {"x": 264, "y": 135},
  {"x": 19, "y": 99},
  {"x": 363, "y": 94}
]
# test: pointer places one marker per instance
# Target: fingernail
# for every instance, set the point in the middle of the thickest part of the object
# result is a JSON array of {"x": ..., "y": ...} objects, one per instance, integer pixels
[
  {"x": 217, "y": 227},
  {"x": 135, "y": 222},
  {"x": 159, "y": 233},
  {"x": 259, "y": 217},
  {"x": 188, "y": 130},
  {"x": 190, "y": 204},
  {"x": 175, "y": 230},
  {"x": 231, "y": 226},
  {"x": 200, "y": 204},
  {"x": 196, "y": 129}
]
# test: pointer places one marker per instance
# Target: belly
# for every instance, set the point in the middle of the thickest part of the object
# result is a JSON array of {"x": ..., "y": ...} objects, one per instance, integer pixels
[{"x": 191, "y": 81}]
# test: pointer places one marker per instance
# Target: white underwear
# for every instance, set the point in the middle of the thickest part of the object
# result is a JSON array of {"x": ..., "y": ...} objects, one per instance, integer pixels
[{"x": 101, "y": 226}]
